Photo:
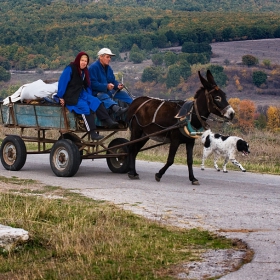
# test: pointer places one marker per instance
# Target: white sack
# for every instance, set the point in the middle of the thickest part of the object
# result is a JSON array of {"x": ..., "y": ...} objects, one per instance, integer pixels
[{"x": 37, "y": 89}]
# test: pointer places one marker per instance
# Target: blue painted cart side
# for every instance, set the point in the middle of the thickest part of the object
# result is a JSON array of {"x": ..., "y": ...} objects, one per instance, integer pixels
[{"x": 38, "y": 116}]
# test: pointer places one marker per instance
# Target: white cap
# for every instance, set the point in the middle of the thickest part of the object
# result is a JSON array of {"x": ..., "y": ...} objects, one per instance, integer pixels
[{"x": 105, "y": 51}]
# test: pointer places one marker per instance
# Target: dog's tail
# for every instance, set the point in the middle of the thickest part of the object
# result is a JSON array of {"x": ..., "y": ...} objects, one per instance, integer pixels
[{"x": 204, "y": 135}]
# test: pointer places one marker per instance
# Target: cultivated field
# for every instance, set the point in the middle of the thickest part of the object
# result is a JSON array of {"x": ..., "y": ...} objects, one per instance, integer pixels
[{"x": 233, "y": 51}]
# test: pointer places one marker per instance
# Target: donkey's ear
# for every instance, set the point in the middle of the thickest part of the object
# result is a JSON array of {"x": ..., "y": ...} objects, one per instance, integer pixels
[
  {"x": 203, "y": 81},
  {"x": 210, "y": 78}
]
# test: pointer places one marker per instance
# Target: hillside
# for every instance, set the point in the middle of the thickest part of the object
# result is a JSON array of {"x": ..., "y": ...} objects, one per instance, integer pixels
[
  {"x": 233, "y": 51},
  {"x": 47, "y": 34}
]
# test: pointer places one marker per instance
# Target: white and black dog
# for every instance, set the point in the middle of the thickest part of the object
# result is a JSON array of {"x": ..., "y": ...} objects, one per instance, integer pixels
[{"x": 226, "y": 146}]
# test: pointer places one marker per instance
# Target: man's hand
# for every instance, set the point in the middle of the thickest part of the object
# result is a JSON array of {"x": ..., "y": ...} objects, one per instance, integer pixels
[
  {"x": 110, "y": 86},
  {"x": 120, "y": 86}
]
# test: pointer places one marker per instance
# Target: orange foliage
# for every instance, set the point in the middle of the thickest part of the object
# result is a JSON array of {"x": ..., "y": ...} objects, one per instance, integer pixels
[
  {"x": 247, "y": 110},
  {"x": 234, "y": 102}
]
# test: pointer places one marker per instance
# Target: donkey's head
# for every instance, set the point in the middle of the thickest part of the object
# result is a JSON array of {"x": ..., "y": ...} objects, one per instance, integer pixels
[{"x": 216, "y": 99}]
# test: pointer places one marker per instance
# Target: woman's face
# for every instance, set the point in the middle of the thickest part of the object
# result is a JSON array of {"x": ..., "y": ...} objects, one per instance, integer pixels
[{"x": 83, "y": 62}]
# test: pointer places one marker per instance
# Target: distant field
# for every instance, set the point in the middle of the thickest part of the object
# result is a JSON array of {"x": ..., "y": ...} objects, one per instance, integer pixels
[{"x": 233, "y": 51}]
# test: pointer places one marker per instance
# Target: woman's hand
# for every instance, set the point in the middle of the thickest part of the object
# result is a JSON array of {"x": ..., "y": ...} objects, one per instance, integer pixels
[{"x": 61, "y": 101}]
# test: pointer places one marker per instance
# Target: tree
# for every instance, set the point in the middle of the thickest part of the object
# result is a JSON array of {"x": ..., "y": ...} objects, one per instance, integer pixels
[
  {"x": 170, "y": 58},
  {"x": 136, "y": 57},
  {"x": 171, "y": 36},
  {"x": 259, "y": 78},
  {"x": 249, "y": 60},
  {"x": 261, "y": 121},
  {"x": 246, "y": 115},
  {"x": 234, "y": 103},
  {"x": 4, "y": 75},
  {"x": 185, "y": 69},
  {"x": 173, "y": 76},
  {"x": 219, "y": 75},
  {"x": 146, "y": 44},
  {"x": 273, "y": 118},
  {"x": 151, "y": 74},
  {"x": 135, "y": 54},
  {"x": 157, "y": 59},
  {"x": 5, "y": 63}
]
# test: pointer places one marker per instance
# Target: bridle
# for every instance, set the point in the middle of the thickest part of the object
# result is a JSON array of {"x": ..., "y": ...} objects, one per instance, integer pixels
[{"x": 210, "y": 101}]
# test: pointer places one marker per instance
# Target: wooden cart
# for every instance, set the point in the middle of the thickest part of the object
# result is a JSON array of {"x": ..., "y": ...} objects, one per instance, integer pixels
[{"x": 67, "y": 152}]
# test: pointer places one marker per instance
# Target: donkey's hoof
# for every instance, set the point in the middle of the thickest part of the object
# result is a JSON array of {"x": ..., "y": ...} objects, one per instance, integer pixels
[
  {"x": 196, "y": 183},
  {"x": 157, "y": 177},
  {"x": 133, "y": 177}
]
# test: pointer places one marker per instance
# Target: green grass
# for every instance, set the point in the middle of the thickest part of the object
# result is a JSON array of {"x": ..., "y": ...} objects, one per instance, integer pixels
[{"x": 79, "y": 238}]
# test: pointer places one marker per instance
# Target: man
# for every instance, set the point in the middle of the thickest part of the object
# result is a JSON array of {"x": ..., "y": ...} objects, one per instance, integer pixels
[{"x": 104, "y": 84}]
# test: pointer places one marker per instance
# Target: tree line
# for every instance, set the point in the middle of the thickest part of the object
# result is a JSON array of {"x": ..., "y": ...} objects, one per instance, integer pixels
[{"x": 48, "y": 34}]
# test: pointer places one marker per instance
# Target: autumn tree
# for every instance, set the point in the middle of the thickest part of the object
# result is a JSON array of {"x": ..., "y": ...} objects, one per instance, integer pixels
[
  {"x": 235, "y": 102},
  {"x": 273, "y": 118},
  {"x": 247, "y": 110}
]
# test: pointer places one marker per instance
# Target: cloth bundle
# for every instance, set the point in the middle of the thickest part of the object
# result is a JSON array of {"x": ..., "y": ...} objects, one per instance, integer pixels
[{"x": 34, "y": 90}]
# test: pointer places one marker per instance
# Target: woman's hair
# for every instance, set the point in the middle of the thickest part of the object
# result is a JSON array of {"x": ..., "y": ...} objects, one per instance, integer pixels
[{"x": 77, "y": 63}]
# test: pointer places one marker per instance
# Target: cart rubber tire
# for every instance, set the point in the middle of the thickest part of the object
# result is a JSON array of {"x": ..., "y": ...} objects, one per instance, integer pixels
[
  {"x": 65, "y": 158},
  {"x": 13, "y": 153},
  {"x": 118, "y": 164},
  {"x": 74, "y": 138}
]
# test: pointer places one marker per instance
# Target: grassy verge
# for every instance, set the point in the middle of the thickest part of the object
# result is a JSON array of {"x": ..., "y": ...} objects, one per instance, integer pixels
[
  {"x": 73, "y": 237},
  {"x": 264, "y": 147},
  {"x": 264, "y": 156}
]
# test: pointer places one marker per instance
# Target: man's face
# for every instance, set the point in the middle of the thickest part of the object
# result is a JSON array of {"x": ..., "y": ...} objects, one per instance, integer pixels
[{"x": 105, "y": 59}]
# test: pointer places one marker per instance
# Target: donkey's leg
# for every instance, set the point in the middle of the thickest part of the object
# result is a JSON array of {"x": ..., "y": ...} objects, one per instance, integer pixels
[
  {"x": 133, "y": 151},
  {"x": 189, "y": 150},
  {"x": 173, "y": 147}
]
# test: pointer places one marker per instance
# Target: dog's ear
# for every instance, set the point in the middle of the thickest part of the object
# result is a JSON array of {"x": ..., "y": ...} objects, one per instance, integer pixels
[{"x": 242, "y": 145}]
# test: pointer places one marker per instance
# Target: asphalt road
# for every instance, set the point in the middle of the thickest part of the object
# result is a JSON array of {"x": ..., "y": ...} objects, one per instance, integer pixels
[{"x": 239, "y": 205}]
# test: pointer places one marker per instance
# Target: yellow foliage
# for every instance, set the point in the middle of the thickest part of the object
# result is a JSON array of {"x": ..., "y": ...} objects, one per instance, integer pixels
[{"x": 273, "y": 118}]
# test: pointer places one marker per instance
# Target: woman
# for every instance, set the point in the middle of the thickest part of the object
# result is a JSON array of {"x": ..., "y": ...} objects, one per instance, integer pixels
[{"x": 75, "y": 93}]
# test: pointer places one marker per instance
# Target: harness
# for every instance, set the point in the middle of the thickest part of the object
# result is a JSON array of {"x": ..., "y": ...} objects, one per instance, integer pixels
[{"x": 184, "y": 116}]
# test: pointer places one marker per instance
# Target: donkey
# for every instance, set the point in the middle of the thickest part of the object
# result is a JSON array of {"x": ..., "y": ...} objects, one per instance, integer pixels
[{"x": 174, "y": 122}]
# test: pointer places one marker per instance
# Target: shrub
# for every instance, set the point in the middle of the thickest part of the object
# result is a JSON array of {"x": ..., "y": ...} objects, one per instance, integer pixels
[
  {"x": 249, "y": 60},
  {"x": 259, "y": 77}
]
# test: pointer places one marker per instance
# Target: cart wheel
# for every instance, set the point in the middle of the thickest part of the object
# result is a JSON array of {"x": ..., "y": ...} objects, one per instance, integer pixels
[
  {"x": 13, "y": 153},
  {"x": 74, "y": 138},
  {"x": 118, "y": 164},
  {"x": 65, "y": 158}
]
